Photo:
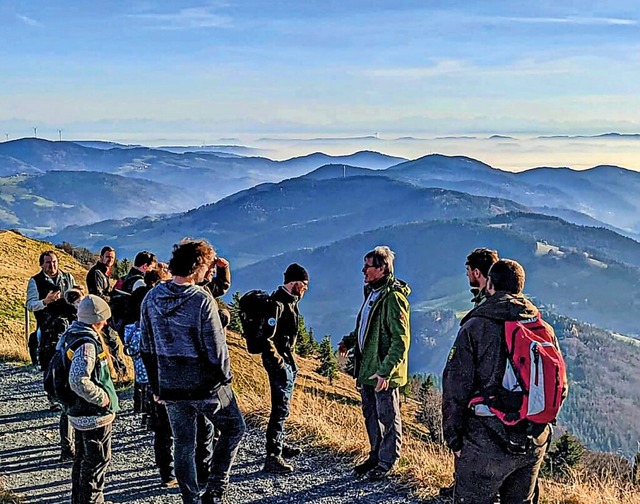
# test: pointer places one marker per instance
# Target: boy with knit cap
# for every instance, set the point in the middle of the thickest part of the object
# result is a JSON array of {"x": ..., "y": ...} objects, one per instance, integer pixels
[
  {"x": 281, "y": 368},
  {"x": 94, "y": 408}
]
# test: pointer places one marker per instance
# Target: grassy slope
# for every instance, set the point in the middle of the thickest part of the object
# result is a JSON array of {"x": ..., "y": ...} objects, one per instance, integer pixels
[
  {"x": 323, "y": 414},
  {"x": 18, "y": 262}
]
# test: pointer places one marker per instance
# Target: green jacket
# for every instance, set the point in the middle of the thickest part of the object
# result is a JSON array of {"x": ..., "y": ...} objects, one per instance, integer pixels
[{"x": 387, "y": 337}]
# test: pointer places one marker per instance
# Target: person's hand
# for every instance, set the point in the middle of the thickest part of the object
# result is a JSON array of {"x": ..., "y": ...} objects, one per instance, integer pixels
[
  {"x": 458, "y": 453},
  {"x": 343, "y": 350},
  {"x": 105, "y": 401},
  {"x": 383, "y": 383},
  {"x": 51, "y": 297},
  {"x": 221, "y": 262}
]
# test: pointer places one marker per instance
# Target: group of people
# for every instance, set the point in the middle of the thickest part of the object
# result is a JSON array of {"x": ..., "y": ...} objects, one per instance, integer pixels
[{"x": 174, "y": 329}]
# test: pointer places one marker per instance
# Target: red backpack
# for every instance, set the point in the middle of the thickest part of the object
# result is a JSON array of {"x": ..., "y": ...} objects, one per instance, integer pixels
[{"x": 535, "y": 372}]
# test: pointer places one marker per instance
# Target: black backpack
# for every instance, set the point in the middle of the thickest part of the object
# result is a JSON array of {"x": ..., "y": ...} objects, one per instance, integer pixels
[
  {"x": 56, "y": 379},
  {"x": 120, "y": 304},
  {"x": 259, "y": 314}
]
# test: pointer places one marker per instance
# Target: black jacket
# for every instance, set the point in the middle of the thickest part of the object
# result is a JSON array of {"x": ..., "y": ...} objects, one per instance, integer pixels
[
  {"x": 280, "y": 348},
  {"x": 98, "y": 281},
  {"x": 477, "y": 360}
]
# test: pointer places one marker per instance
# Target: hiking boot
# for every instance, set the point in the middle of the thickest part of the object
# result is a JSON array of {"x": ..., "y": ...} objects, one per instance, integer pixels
[
  {"x": 171, "y": 483},
  {"x": 275, "y": 464},
  {"x": 214, "y": 497},
  {"x": 365, "y": 467},
  {"x": 290, "y": 451},
  {"x": 377, "y": 473}
]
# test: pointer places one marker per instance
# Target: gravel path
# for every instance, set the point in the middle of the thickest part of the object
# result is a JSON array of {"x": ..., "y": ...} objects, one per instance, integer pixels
[{"x": 29, "y": 460}]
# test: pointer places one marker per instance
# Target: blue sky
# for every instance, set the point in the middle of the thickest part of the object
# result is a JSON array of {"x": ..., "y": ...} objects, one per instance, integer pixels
[{"x": 173, "y": 69}]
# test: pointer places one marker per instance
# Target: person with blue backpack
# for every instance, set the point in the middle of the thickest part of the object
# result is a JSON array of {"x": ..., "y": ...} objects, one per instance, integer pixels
[{"x": 503, "y": 385}]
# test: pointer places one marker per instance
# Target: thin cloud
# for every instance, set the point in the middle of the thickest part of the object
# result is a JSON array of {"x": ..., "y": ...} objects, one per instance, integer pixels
[
  {"x": 566, "y": 20},
  {"x": 194, "y": 17},
  {"x": 29, "y": 21},
  {"x": 444, "y": 68}
]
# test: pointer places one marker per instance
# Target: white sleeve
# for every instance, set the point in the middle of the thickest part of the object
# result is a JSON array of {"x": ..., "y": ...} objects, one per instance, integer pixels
[{"x": 33, "y": 303}]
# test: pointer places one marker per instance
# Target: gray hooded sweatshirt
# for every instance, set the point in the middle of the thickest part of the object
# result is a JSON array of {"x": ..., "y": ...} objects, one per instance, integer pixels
[{"x": 182, "y": 344}]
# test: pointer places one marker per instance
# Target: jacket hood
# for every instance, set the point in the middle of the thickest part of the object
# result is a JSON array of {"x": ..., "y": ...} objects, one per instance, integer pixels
[
  {"x": 392, "y": 284},
  {"x": 503, "y": 306},
  {"x": 170, "y": 296}
]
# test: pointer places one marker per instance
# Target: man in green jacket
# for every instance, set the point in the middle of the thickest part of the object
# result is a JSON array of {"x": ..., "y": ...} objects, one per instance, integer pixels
[{"x": 380, "y": 345}]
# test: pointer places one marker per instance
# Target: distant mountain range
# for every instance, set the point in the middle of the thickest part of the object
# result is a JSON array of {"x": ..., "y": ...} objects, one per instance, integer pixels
[{"x": 208, "y": 177}]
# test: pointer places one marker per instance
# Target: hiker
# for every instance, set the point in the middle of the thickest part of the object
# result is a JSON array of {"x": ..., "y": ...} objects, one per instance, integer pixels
[
  {"x": 478, "y": 263},
  {"x": 218, "y": 281},
  {"x": 52, "y": 328},
  {"x": 154, "y": 414},
  {"x": 98, "y": 277},
  {"x": 94, "y": 408},
  {"x": 44, "y": 294},
  {"x": 121, "y": 306},
  {"x": 143, "y": 262},
  {"x": 281, "y": 368},
  {"x": 185, "y": 353},
  {"x": 380, "y": 345},
  {"x": 490, "y": 457}
]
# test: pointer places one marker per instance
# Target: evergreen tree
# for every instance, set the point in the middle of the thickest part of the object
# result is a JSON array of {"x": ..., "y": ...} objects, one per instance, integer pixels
[
  {"x": 121, "y": 268},
  {"x": 306, "y": 344},
  {"x": 234, "y": 310},
  {"x": 328, "y": 362},
  {"x": 566, "y": 453},
  {"x": 430, "y": 409}
]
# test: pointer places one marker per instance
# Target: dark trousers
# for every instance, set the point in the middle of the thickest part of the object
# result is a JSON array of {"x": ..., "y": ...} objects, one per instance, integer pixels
[
  {"x": 93, "y": 453},
  {"x": 281, "y": 383},
  {"x": 485, "y": 469},
  {"x": 163, "y": 444},
  {"x": 384, "y": 424},
  {"x": 66, "y": 435},
  {"x": 223, "y": 412}
]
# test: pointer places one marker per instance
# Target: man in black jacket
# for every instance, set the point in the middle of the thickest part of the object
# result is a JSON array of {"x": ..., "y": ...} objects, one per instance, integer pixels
[
  {"x": 485, "y": 460},
  {"x": 279, "y": 362},
  {"x": 98, "y": 275}
]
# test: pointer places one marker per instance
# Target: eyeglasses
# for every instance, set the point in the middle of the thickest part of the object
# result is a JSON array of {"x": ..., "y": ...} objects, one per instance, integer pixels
[{"x": 367, "y": 266}]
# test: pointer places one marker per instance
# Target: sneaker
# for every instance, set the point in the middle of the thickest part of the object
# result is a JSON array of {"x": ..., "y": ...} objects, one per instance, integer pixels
[
  {"x": 377, "y": 473},
  {"x": 172, "y": 483},
  {"x": 214, "y": 497},
  {"x": 365, "y": 467},
  {"x": 275, "y": 464},
  {"x": 290, "y": 451}
]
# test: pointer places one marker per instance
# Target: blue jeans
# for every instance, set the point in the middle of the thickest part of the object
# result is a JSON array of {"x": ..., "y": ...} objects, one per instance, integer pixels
[
  {"x": 281, "y": 382},
  {"x": 222, "y": 410}
]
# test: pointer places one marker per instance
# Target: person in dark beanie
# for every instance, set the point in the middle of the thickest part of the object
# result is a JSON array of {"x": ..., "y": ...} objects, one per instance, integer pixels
[
  {"x": 94, "y": 408},
  {"x": 281, "y": 368}
]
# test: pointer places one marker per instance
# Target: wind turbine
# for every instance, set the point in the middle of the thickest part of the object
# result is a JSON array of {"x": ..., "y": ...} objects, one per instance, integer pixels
[
  {"x": 60, "y": 135},
  {"x": 35, "y": 132},
  {"x": 6, "y": 135}
]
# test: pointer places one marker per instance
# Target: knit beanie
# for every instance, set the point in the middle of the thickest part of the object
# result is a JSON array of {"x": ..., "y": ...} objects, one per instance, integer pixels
[
  {"x": 295, "y": 273},
  {"x": 93, "y": 309}
]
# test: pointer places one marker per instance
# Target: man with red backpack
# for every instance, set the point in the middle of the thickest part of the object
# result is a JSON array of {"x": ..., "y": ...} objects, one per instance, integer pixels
[{"x": 503, "y": 384}]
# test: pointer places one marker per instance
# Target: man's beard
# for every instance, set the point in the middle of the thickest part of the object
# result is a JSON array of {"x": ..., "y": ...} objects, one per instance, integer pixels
[{"x": 474, "y": 283}]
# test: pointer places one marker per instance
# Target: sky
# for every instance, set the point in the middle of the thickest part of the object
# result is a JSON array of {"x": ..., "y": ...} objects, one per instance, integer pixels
[{"x": 206, "y": 71}]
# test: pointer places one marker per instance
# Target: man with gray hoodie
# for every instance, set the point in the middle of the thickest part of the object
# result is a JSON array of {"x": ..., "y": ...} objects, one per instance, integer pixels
[{"x": 184, "y": 350}]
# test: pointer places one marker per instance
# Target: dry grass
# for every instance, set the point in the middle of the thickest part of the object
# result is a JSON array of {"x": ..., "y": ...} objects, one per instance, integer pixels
[
  {"x": 19, "y": 262},
  {"x": 324, "y": 415}
]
